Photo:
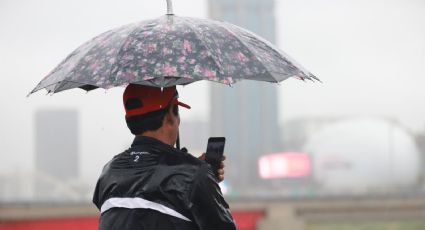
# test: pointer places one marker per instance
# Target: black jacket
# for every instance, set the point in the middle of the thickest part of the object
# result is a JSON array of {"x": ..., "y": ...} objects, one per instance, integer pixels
[{"x": 155, "y": 186}]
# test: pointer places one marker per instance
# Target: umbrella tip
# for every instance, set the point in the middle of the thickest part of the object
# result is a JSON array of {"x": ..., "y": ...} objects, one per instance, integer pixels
[
  {"x": 31, "y": 92},
  {"x": 169, "y": 7},
  {"x": 312, "y": 78}
]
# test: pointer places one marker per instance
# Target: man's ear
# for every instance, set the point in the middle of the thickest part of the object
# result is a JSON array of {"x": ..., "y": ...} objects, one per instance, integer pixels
[{"x": 168, "y": 118}]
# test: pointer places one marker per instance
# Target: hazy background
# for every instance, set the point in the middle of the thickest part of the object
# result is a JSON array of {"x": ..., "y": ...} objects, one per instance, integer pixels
[{"x": 370, "y": 55}]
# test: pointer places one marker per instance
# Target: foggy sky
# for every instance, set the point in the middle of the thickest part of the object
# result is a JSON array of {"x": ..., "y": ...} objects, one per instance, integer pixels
[{"x": 370, "y": 55}]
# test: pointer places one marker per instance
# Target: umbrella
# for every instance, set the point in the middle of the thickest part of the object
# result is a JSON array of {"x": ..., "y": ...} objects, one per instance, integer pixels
[{"x": 172, "y": 50}]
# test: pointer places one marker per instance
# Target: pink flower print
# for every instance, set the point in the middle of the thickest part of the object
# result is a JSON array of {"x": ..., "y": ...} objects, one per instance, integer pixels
[
  {"x": 88, "y": 58},
  {"x": 187, "y": 46},
  {"x": 192, "y": 61},
  {"x": 147, "y": 77},
  {"x": 187, "y": 76},
  {"x": 146, "y": 33},
  {"x": 93, "y": 67},
  {"x": 167, "y": 28},
  {"x": 110, "y": 52},
  {"x": 128, "y": 57},
  {"x": 141, "y": 63},
  {"x": 203, "y": 54},
  {"x": 161, "y": 36},
  {"x": 197, "y": 70},
  {"x": 101, "y": 81},
  {"x": 169, "y": 70},
  {"x": 111, "y": 60},
  {"x": 148, "y": 48},
  {"x": 227, "y": 81},
  {"x": 241, "y": 57},
  {"x": 151, "y": 47},
  {"x": 128, "y": 76},
  {"x": 166, "y": 51},
  {"x": 126, "y": 44},
  {"x": 181, "y": 59},
  {"x": 209, "y": 74},
  {"x": 108, "y": 86}
]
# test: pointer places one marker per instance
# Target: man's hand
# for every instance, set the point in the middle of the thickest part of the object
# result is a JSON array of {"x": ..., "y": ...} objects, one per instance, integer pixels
[{"x": 220, "y": 171}]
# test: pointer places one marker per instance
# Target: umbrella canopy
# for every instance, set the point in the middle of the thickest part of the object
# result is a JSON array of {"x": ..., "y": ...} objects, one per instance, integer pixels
[{"x": 169, "y": 51}]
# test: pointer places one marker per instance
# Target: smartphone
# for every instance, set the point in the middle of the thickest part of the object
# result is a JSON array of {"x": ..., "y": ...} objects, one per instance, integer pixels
[{"x": 214, "y": 153}]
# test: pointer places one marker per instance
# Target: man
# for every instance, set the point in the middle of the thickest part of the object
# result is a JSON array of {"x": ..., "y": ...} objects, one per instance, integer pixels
[{"x": 153, "y": 185}]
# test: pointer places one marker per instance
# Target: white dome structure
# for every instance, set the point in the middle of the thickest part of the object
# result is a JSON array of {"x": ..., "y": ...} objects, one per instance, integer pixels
[{"x": 364, "y": 154}]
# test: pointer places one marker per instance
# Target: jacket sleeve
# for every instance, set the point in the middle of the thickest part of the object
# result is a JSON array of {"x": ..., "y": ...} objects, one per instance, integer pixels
[{"x": 208, "y": 207}]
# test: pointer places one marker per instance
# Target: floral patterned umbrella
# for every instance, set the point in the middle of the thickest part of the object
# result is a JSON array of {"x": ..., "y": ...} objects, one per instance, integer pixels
[{"x": 169, "y": 51}]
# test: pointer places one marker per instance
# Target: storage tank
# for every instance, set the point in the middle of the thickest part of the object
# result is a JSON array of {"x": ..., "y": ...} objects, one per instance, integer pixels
[{"x": 364, "y": 154}]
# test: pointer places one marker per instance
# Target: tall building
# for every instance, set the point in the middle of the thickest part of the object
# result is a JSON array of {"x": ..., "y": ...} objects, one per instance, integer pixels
[{"x": 247, "y": 112}]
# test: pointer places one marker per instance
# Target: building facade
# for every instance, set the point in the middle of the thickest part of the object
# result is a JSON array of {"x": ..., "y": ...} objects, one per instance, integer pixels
[{"x": 246, "y": 114}]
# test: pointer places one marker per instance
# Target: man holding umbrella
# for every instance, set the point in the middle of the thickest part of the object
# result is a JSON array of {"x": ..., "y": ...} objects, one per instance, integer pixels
[{"x": 153, "y": 185}]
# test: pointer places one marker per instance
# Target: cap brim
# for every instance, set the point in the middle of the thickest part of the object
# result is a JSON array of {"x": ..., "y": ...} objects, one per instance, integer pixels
[{"x": 183, "y": 105}]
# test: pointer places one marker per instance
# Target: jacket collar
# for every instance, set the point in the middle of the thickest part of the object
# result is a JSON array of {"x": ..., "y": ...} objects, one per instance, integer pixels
[
  {"x": 144, "y": 140},
  {"x": 155, "y": 144}
]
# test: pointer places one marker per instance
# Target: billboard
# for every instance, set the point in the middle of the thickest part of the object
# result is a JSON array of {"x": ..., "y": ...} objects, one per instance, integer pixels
[{"x": 284, "y": 165}]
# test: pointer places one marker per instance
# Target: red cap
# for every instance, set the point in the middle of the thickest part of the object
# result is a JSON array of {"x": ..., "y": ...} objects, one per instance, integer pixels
[{"x": 141, "y": 99}]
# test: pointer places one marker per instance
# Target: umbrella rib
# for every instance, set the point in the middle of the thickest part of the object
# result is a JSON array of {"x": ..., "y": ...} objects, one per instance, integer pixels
[
  {"x": 63, "y": 62},
  {"x": 108, "y": 33},
  {"x": 53, "y": 91},
  {"x": 36, "y": 90},
  {"x": 61, "y": 83},
  {"x": 206, "y": 45},
  {"x": 252, "y": 53},
  {"x": 288, "y": 58},
  {"x": 281, "y": 65},
  {"x": 123, "y": 42}
]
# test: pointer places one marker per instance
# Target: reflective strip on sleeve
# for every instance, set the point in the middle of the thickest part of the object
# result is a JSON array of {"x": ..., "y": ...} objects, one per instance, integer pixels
[{"x": 133, "y": 203}]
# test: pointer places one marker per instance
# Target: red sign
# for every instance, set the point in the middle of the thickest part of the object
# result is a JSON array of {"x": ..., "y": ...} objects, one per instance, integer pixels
[{"x": 284, "y": 165}]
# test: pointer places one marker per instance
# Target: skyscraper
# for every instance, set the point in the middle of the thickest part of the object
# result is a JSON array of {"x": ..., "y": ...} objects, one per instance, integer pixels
[{"x": 246, "y": 113}]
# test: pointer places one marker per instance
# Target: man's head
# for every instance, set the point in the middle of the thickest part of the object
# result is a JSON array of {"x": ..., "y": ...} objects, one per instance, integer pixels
[{"x": 151, "y": 109}]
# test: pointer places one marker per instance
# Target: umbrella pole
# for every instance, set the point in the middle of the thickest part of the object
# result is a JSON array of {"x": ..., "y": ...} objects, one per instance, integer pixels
[
  {"x": 178, "y": 141},
  {"x": 169, "y": 7}
]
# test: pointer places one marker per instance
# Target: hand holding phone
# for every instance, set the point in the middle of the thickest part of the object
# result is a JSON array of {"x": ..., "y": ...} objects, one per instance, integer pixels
[{"x": 214, "y": 153}]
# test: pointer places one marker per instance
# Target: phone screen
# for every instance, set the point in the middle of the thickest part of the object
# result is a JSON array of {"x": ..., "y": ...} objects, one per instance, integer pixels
[{"x": 215, "y": 149}]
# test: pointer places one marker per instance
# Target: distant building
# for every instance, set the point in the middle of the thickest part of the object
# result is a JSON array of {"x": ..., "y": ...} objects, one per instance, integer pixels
[
  {"x": 247, "y": 113},
  {"x": 296, "y": 132},
  {"x": 360, "y": 155},
  {"x": 56, "y": 147}
]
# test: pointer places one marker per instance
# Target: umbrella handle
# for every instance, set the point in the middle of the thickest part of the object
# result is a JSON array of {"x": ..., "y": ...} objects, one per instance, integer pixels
[
  {"x": 178, "y": 141},
  {"x": 178, "y": 144},
  {"x": 169, "y": 7}
]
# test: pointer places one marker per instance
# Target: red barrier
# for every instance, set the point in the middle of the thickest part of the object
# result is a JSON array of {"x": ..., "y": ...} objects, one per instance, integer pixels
[
  {"x": 80, "y": 223},
  {"x": 245, "y": 220}
]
